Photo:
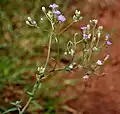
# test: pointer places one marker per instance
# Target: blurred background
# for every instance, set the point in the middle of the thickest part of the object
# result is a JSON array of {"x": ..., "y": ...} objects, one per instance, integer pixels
[{"x": 24, "y": 48}]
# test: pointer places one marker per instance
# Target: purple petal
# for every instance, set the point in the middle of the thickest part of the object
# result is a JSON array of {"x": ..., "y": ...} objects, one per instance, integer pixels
[
  {"x": 34, "y": 22},
  {"x": 61, "y": 18},
  {"x": 109, "y": 43},
  {"x": 84, "y": 28},
  {"x": 107, "y": 36},
  {"x": 53, "y": 6},
  {"x": 57, "y": 12},
  {"x": 85, "y": 36}
]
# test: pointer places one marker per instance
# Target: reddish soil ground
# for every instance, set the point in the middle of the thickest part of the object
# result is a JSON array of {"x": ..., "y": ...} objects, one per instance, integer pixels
[{"x": 101, "y": 95}]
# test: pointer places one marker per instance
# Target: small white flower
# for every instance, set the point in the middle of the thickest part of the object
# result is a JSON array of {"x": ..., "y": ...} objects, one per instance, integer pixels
[{"x": 99, "y": 62}]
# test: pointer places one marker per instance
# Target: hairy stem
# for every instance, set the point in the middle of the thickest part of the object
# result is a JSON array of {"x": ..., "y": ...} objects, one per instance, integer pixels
[{"x": 49, "y": 47}]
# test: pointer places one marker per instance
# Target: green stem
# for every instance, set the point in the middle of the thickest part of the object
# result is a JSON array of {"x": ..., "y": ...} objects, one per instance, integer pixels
[
  {"x": 49, "y": 47},
  {"x": 25, "y": 107},
  {"x": 37, "y": 83},
  {"x": 30, "y": 98},
  {"x": 92, "y": 44}
]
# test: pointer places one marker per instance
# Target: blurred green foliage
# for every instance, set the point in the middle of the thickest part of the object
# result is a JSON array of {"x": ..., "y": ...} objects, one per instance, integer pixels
[
  {"x": 18, "y": 41},
  {"x": 21, "y": 46}
]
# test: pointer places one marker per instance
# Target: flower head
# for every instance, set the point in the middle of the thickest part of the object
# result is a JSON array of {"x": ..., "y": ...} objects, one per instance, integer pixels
[
  {"x": 99, "y": 62},
  {"x": 53, "y": 6},
  {"x": 109, "y": 43},
  {"x": 61, "y": 18},
  {"x": 41, "y": 70},
  {"x": 107, "y": 36}
]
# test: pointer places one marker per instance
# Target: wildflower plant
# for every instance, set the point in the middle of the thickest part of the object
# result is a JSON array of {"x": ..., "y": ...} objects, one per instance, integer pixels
[{"x": 90, "y": 40}]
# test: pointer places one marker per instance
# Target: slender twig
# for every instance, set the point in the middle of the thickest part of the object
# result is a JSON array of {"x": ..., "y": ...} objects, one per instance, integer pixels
[
  {"x": 25, "y": 107},
  {"x": 37, "y": 83},
  {"x": 49, "y": 47},
  {"x": 66, "y": 28},
  {"x": 79, "y": 41},
  {"x": 92, "y": 44}
]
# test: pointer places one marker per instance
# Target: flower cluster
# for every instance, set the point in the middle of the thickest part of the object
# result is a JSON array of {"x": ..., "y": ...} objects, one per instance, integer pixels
[
  {"x": 31, "y": 22},
  {"x": 77, "y": 16},
  {"x": 41, "y": 70},
  {"x": 54, "y": 14}
]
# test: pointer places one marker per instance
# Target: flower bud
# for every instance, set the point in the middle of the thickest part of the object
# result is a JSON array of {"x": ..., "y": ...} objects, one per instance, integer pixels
[
  {"x": 99, "y": 34},
  {"x": 27, "y": 22},
  {"x": 29, "y": 19},
  {"x": 43, "y": 9}
]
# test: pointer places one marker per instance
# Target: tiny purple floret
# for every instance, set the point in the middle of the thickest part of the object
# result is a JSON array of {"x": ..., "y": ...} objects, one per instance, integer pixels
[
  {"x": 109, "y": 43},
  {"x": 61, "y": 18},
  {"x": 57, "y": 12},
  {"x": 53, "y": 6},
  {"x": 107, "y": 36},
  {"x": 84, "y": 28},
  {"x": 34, "y": 22},
  {"x": 85, "y": 36}
]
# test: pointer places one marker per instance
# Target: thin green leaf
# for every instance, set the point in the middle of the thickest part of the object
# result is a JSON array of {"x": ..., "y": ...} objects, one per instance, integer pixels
[{"x": 10, "y": 110}]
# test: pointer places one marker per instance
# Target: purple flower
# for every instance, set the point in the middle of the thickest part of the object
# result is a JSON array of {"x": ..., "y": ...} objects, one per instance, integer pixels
[
  {"x": 84, "y": 28},
  {"x": 99, "y": 62},
  {"x": 53, "y": 6},
  {"x": 57, "y": 12},
  {"x": 61, "y": 18},
  {"x": 34, "y": 22},
  {"x": 109, "y": 43},
  {"x": 107, "y": 36},
  {"x": 85, "y": 36}
]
